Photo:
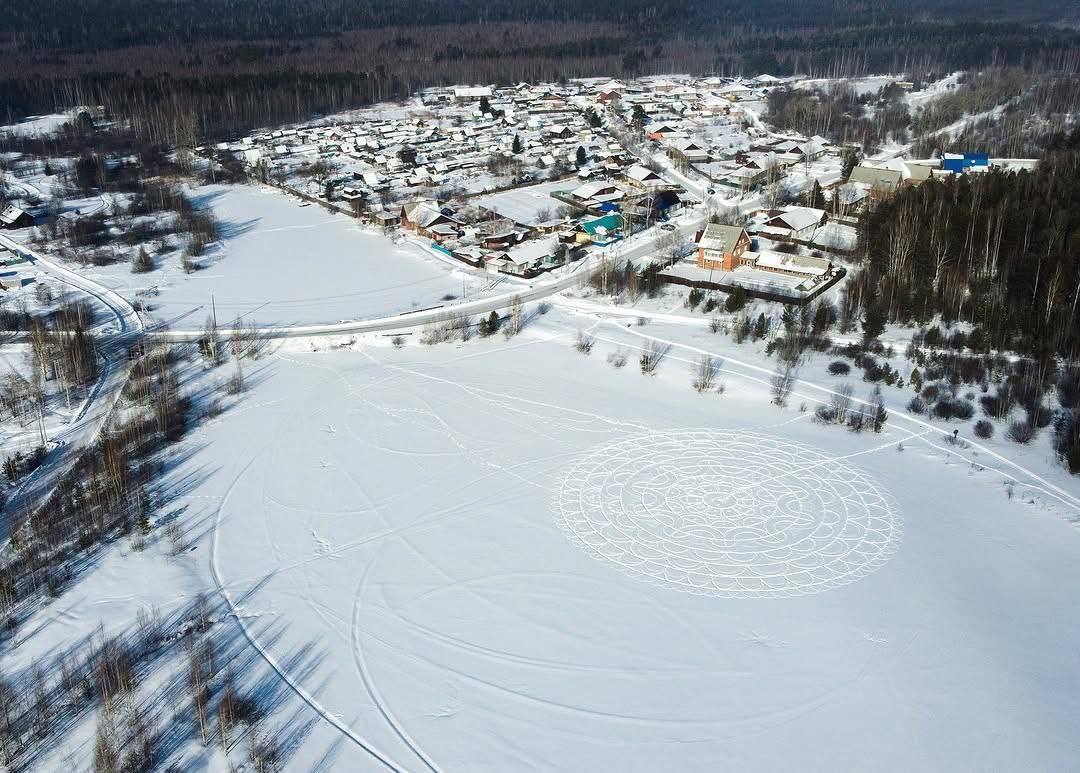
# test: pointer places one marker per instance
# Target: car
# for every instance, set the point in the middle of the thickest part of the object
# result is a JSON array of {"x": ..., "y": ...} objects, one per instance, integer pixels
[
  {"x": 668, "y": 227},
  {"x": 711, "y": 191}
]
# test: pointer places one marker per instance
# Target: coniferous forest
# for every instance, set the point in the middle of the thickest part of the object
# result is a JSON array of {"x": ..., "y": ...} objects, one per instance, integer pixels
[
  {"x": 1000, "y": 251},
  {"x": 231, "y": 66}
]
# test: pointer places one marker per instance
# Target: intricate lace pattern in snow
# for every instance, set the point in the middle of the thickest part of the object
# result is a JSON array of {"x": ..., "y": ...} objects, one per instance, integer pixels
[{"x": 730, "y": 514}]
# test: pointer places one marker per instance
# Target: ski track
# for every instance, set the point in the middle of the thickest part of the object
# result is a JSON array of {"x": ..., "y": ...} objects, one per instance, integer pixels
[
  {"x": 577, "y": 420},
  {"x": 369, "y": 684},
  {"x": 304, "y": 695}
]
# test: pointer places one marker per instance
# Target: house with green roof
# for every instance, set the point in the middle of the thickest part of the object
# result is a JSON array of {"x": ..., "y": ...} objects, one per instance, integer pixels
[{"x": 601, "y": 230}]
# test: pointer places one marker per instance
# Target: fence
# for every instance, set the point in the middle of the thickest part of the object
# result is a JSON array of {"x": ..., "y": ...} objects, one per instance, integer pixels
[{"x": 796, "y": 300}]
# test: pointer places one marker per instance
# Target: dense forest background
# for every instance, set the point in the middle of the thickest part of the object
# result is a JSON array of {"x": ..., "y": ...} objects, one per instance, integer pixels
[{"x": 219, "y": 67}]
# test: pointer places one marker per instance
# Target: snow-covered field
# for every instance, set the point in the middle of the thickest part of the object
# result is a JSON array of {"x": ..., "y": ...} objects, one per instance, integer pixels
[
  {"x": 36, "y": 125},
  {"x": 504, "y": 554},
  {"x": 280, "y": 263},
  {"x": 524, "y": 205}
]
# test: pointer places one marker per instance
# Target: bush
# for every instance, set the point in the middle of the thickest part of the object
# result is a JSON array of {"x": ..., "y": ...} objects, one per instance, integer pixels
[
  {"x": 1022, "y": 432},
  {"x": 984, "y": 429},
  {"x": 825, "y": 414},
  {"x": 736, "y": 300},
  {"x": 951, "y": 408},
  {"x": 839, "y": 368},
  {"x": 142, "y": 263},
  {"x": 917, "y": 406}
]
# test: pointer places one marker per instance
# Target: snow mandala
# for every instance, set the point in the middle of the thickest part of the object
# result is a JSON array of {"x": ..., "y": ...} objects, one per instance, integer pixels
[{"x": 730, "y": 514}]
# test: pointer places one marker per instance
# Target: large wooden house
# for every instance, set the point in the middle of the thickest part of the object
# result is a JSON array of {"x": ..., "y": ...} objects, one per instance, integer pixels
[{"x": 722, "y": 247}]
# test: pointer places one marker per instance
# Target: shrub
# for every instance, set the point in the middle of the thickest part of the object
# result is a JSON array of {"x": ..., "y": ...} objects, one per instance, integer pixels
[
  {"x": 142, "y": 263},
  {"x": 839, "y": 368},
  {"x": 825, "y": 414},
  {"x": 1020, "y": 432},
  {"x": 984, "y": 429},
  {"x": 951, "y": 408},
  {"x": 917, "y": 406},
  {"x": 736, "y": 300}
]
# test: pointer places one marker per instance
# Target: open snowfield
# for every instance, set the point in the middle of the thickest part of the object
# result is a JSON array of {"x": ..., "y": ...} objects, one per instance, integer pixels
[
  {"x": 281, "y": 263},
  {"x": 506, "y": 555}
]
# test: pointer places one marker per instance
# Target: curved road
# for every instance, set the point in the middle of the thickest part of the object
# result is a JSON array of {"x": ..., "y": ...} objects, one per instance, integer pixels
[{"x": 83, "y": 429}]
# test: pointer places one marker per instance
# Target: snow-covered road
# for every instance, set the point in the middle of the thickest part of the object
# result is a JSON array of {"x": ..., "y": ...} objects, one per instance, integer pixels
[{"x": 85, "y": 425}]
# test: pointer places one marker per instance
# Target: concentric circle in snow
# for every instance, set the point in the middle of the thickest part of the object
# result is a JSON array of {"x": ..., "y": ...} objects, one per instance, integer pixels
[{"x": 731, "y": 514}]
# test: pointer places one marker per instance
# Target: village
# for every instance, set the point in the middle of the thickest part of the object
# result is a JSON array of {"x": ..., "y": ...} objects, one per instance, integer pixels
[
  {"x": 447, "y": 395},
  {"x": 532, "y": 178}
]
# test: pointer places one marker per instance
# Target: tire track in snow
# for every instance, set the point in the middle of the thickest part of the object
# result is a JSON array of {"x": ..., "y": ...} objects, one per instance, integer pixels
[{"x": 271, "y": 661}]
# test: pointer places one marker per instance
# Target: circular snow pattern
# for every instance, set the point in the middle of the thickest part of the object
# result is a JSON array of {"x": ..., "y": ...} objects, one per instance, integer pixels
[{"x": 730, "y": 514}]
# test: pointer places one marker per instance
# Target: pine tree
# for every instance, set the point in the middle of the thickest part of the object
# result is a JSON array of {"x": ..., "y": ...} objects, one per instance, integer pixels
[
  {"x": 516, "y": 147},
  {"x": 873, "y": 324}
]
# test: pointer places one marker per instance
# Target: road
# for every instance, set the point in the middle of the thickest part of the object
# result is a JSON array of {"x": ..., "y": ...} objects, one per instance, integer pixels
[
  {"x": 85, "y": 426},
  {"x": 575, "y": 274}
]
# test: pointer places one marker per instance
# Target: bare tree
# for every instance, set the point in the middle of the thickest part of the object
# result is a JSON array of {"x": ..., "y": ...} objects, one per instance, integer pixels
[
  {"x": 705, "y": 373},
  {"x": 781, "y": 383},
  {"x": 517, "y": 317},
  {"x": 210, "y": 343},
  {"x": 235, "y": 384},
  {"x": 840, "y": 403},
  {"x": 651, "y": 356},
  {"x": 198, "y": 678}
]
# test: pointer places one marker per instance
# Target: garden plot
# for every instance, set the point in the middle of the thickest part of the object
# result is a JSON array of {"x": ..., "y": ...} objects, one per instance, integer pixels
[
  {"x": 527, "y": 205},
  {"x": 279, "y": 263},
  {"x": 609, "y": 570}
]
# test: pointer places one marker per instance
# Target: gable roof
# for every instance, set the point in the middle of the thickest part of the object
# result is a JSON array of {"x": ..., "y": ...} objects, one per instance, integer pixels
[
  {"x": 641, "y": 174},
  {"x": 722, "y": 238},
  {"x": 588, "y": 190},
  {"x": 10, "y": 214},
  {"x": 797, "y": 218},
  {"x": 605, "y": 224},
  {"x": 885, "y": 179},
  {"x": 426, "y": 214}
]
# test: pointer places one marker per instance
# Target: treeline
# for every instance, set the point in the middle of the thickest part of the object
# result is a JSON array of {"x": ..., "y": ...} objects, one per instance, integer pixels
[
  {"x": 207, "y": 69},
  {"x": 842, "y": 114},
  {"x": 1000, "y": 251},
  {"x": 95, "y": 24}
]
